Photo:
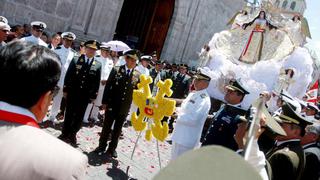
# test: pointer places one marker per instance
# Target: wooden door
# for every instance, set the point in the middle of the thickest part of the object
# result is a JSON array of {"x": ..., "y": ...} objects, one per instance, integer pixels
[{"x": 143, "y": 24}]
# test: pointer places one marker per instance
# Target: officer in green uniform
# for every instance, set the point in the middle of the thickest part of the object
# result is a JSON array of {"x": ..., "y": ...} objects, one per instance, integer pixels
[
  {"x": 286, "y": 158},
  {"x": 117, "y": 98},
  {"x": 81, "y": 86}
]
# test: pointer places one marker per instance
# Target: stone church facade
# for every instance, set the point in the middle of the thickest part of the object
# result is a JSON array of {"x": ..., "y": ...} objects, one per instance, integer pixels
[{"x": 177, "y": 29}]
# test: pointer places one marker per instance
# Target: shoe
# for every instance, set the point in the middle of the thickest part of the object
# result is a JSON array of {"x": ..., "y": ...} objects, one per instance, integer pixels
[
  {"x": 99, "y": 150},
  {"x": 113, "y": 154}
]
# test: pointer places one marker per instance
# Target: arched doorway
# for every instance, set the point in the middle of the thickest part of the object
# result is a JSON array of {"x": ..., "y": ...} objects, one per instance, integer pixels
[{"x": 143, "y": 24}]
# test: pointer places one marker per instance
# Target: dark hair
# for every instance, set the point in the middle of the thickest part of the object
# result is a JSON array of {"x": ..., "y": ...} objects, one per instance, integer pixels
[
  {"x": 27, "y": 71},
  {"x": 55, "y": 35},
  {"x": 15, "y": 28},
  {"x": 244, "y": 26}
]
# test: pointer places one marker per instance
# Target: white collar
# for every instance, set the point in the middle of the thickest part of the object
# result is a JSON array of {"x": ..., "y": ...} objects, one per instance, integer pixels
[
  {"x": 16, "y": 109},
  {"x": 306, "y": 145},
  {"x": 278, "y": 143}
]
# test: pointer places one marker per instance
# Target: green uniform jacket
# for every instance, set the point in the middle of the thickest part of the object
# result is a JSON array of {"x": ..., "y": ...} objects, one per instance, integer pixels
[{"x": 287, "y": 161}]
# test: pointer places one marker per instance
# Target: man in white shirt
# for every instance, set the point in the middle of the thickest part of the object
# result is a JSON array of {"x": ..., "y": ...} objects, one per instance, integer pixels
[
  {"x": 4, "y": 30},
  {"x": 107, "y": 65},
  {"x": 36, "y": 32},
  {"x": 66, "y": 54},
  {"x": 191, "y": 116}
]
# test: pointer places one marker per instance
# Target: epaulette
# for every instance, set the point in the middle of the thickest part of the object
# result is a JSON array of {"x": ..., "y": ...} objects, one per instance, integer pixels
[
  {"x": 58, "y": 47},
  {"x": 74, "y": 51},
  {"x": 98, "y": 56},
  {"x": 203, "y": 95}
]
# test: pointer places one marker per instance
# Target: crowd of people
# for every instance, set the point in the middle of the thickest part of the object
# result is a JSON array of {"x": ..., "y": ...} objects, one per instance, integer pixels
[{"x": 77, "y": 85}]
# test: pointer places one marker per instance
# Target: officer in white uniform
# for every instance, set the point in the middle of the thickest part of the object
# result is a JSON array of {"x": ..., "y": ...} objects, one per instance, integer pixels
[
  {"x": 36, "y": 31},
  {"x": 191, "y": 116},
  {"x": 107, "y": 65},
  {"x": 66, "y": 54}
]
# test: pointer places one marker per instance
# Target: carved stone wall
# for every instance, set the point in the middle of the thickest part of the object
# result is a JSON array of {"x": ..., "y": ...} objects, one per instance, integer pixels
[{"x": 192, "y": 25}]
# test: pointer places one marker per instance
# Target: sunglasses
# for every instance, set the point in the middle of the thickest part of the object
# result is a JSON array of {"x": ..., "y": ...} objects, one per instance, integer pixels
[{"x": 39, "y": 30}]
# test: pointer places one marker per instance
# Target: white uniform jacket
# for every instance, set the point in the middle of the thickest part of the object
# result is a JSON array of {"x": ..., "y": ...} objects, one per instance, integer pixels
[
  {"x": 35, "y": 40},
  {"x": 191, "y": 117}
]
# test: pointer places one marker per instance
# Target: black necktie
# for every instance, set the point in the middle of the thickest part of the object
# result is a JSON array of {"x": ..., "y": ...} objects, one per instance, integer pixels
[{"x": 128, "y": 72}]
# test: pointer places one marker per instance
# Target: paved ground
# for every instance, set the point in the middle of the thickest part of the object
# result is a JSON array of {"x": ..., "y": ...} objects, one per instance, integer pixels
[{"x": 145, "y": 162}]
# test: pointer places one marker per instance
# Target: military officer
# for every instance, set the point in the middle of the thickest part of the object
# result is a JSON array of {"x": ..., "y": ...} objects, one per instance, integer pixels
[
  {"x": 66, "y": 54},
  {"x": 4, "y": 30},
  {"x": 191, "y": 116},
  {"x": 117, "y": 99},
  {"x": 92, "y": 111},
  {"x": 143, "y": 65},
  {"x": 36, "y": 32},
  {"x": 142, "y": 68},
  {"x": 286, "y": 158},
  {"x": 172, "y": 72},
  {"x": 224, "y": 123},
  {"x": 311, "y": 149},
  {"x": 81, "y": 86},
  {"x": 157, "y": 74},
  {"x": 181, "y": 83}
]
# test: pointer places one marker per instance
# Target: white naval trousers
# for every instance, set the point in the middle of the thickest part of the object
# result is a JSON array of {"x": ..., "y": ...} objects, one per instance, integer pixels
[
  {"x": 56, "y": 105},
  {"x": 178, "y": 150},
  {"x": 97, "y": 104}
]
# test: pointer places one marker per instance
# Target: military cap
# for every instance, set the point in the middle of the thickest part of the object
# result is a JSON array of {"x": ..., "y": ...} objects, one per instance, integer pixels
[
  {"x": 94, "y": 44},
  {"x": 105, "y": 46},
  {"x": 154, "y": 54},
  {"x": 286, "y": 97},
  {"x": 209, "y": 162},
  {"x": 183, "y": 66},
  {"x": 4, "y": 26},
  {"x": 146, "y": 57},
  {"x": 314, "y": 128},
  {"x": 202, "y": 74},
  {"x": 235, "y": 85},
  {"x": 302, "y": 103},
  {"x": 39, "y": 25},
  {"x": 159, "y": 62},
  {"x": 3, "y": 19},
  {"x": 81, "y": 44},
  {"x": 68, "y": 35},
  {"x": 132, "y": 53},
  {"x": 313, "y": 106},
  {"x": 289, "y": 115}
]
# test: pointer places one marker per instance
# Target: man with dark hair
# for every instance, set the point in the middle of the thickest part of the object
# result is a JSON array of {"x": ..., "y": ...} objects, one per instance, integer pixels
[
  {"x": 181, "y": 83},
  {"x": 224, "y": 123},
  {"x": 80, "y": 88},
  {"x": 22, "y": 106},
  {"x": 18, "y": 31},
  {"x": 55, "y": 41},
  {"x": 117, "y": 98}
]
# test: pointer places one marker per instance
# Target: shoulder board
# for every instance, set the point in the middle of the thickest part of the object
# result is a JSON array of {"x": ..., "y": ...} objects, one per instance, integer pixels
[
  {"x": 98, "y": 56},
  {"x": 203, "y": 95},
  {"x": 59, "y": 47},
  {"x": 74, "y": 51}
]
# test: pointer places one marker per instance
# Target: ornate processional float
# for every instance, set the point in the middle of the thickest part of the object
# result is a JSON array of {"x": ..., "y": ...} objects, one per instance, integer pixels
[{"x": 264, "y": 48}]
